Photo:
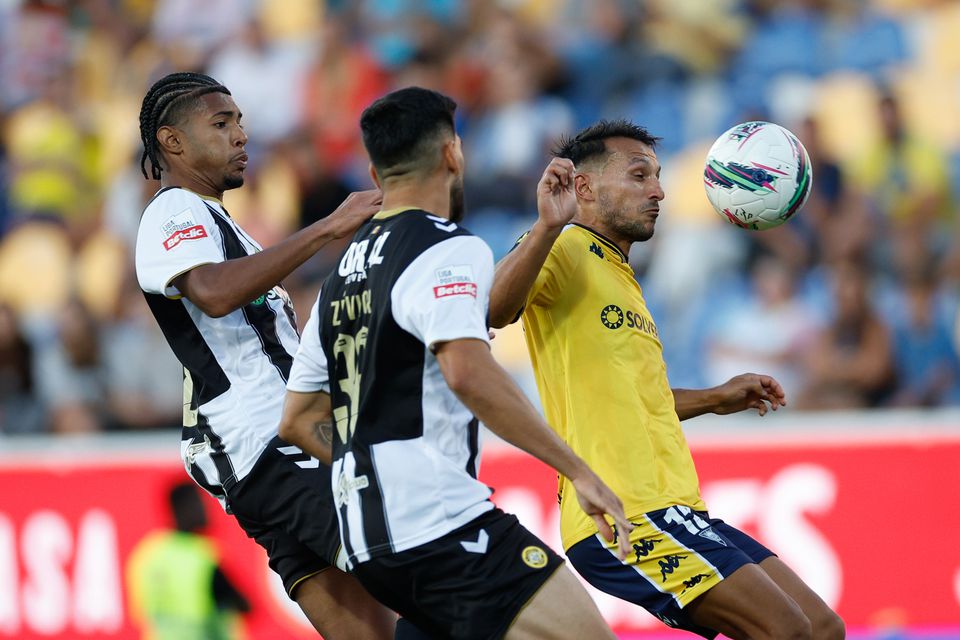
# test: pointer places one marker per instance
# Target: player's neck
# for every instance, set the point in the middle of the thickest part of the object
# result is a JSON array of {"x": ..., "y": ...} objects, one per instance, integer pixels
[
  {"x": 431, "y": 194},
  {"x": 191, "y": 182},
  {"x": 595, "y": 224}
]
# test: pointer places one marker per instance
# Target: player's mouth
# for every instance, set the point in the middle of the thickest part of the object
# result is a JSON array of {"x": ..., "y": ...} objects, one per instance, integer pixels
[{"x": 241, "y": 160}]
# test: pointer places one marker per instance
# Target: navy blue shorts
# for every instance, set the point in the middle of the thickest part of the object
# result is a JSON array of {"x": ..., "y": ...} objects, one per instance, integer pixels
[{"x": 678, "y": 555}]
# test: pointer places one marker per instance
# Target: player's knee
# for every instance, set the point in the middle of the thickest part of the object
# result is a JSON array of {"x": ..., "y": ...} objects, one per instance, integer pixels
[
  {"x": 793, "y": 626},
  {"x": 829, "y": 626}
]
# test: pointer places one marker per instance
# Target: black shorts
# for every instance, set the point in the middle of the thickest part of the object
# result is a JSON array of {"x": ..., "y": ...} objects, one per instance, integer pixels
[
  {"x": 286, "y": 505},
  {"x": 470, "y": 584}
]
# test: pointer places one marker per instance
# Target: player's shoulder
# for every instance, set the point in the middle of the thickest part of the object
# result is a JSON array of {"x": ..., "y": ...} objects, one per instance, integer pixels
[
  {"x": 174, "y": 201},
  {"x": 420, "y": 231},
  {"x": 571, "y": 244},
  {"x": 426, "y": 225}
]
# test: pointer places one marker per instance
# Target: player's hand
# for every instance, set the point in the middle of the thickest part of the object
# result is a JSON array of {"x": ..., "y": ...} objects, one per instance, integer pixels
[
  {"x": 596, "y": 499},
  {"x": 749, "y": 391},
  {"x": 359, "y": 207},
  {"x": 556, "y": 199}
]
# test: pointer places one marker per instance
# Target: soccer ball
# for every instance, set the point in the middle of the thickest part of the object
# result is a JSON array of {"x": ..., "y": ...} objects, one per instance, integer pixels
[{"x": 757, "y": 175}]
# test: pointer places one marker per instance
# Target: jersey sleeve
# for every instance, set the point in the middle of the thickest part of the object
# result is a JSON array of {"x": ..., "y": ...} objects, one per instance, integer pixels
[
  {"x": 176, "y": 234},
  {"x": 309, "y": 372},
  {"x": 555, "y": 273},
  {"x": 444, "y": 293}
]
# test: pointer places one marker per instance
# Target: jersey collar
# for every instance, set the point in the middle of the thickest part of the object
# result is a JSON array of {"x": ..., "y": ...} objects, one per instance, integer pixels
[
  {"x": 605, "y": 240},
  {"x": 389, "y": 213}
]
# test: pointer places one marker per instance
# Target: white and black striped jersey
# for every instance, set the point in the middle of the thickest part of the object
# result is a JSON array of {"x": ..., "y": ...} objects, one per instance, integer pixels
[
  {"x": 235, "y": 367},
  {"x": 405, "y": 449}
]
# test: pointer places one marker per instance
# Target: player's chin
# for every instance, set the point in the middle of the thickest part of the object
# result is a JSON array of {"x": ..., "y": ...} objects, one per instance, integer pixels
[{"x": 233, "y": 180}]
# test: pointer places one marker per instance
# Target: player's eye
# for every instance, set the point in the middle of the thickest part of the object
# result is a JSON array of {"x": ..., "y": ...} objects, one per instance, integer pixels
[{"x": 220, "y": 125}]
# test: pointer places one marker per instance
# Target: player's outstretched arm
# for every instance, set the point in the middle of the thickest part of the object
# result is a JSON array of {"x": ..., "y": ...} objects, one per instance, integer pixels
[
  {"x": 516, "y": 273},
  {"x": 307, "y": 423},
  {"x": 222, "y": 287},
  {"x": 486, "y": 389},
  {"x": 746, "y": 391}
]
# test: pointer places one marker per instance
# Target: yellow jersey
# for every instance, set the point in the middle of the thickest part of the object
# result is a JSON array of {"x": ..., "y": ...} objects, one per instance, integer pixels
[{"x": 603, "y": 383}]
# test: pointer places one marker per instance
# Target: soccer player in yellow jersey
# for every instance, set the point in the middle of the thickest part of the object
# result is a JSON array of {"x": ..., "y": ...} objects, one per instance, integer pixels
[{"x": 603, "y": 383}]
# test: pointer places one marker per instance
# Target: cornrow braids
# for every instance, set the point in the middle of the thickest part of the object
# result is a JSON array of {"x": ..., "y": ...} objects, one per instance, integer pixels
[{"x": 165, "y": 103}]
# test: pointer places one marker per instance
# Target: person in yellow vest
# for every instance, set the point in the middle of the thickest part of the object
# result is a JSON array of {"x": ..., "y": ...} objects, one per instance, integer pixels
[
  {"x": 176, "y": 588},
  {"x": 599, "y": 366}
]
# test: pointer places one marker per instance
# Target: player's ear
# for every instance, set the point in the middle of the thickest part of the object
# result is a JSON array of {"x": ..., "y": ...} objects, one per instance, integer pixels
[
  {"x": 583, "y": 186},
  {"x": 373, "y": 175},
  {"x": 453, "y": 155},
  {"x": 170, "y": 140}
]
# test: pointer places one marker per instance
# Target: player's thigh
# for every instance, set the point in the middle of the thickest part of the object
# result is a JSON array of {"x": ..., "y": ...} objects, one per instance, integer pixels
[
  {"x": 826, "y": 624},
  {"x": 749, "y": 604},
  {"x": 339, "y": 607},
  {"x": 561, "y": 609}
]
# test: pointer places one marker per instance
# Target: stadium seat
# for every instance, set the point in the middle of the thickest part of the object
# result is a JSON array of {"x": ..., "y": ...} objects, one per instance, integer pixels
[
  {"x": 845, "y": 106},
  {"x": 100, "y": 268},
  {"x": 35, "y": 263}
]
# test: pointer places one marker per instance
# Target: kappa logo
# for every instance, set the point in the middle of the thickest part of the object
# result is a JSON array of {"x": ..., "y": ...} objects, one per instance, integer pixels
[
  {"x": 668, "y": 564},
  {"x": 643, "y": 548},
  {"x": 596, "y": 249},
  {"x": 534, "y": 557},
  {"x": 181, "y": 235},
  {"x": 694, "y": 581}
]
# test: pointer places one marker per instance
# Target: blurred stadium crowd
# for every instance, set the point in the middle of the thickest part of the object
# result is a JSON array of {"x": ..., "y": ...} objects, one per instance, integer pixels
[{"x": 852, "y": 304}]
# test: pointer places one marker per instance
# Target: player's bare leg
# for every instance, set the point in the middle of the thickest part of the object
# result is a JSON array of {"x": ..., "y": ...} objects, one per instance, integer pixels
[
  {"x": 340, "y": 609},
  {"x": 748, "y": 605},
  {"x": 826, "y": 624},
  {"x": 561, "y": 610}
]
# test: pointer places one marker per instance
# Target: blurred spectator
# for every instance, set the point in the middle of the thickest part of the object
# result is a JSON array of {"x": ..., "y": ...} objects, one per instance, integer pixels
[
  {"x": 144, "y": 381},
  {"x": 850, "y": 364},
  {"x": 928, "y": 370},
  {"x": 903, "y": 183},
  {"x": 70, "y": 375},
  {"x": 267, "y": 78},
  {"x": 34, "y": 43},
  {"x": 342, "y": 81},
  {"x": 190, "y": 31},
  {"x": 823, "y": 228},
  {"x": 50, "y": 158},
  {"x": 19, "y": 410},
  {"x": 769, "y": 331},
  {"x": 176, "y": 589}
]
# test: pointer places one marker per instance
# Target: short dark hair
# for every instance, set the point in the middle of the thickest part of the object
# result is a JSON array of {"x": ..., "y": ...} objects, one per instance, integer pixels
[
  {"x": 166, "y": 103},
  {"x": 400, "y": 129},
  {"x": 591, "y": 142}
]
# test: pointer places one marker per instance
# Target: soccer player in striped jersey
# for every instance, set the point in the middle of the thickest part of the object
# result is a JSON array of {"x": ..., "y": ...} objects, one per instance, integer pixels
[
  {"x": 396, "y": 355},
  {"x": 220, "y": 304},
  {"x": 599, "y": 367}
]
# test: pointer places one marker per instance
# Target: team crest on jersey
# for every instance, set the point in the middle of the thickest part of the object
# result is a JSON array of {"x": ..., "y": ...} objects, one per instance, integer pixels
[
  {"x": 534, "y": 557},
  {"x": 179, "y": 228},
  {"x": 455, "y": 280}
]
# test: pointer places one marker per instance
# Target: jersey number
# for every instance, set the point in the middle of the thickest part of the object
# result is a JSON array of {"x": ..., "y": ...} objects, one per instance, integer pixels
[
  {"x": 349, "y": 347},
  {"x": 681, "y": 514}
]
